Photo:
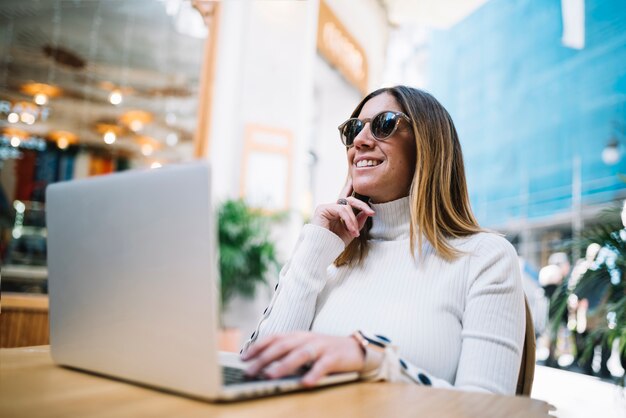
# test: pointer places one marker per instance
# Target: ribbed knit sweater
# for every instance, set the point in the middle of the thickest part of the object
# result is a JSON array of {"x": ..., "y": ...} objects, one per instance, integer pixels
[{"x": 458, "y": 323}]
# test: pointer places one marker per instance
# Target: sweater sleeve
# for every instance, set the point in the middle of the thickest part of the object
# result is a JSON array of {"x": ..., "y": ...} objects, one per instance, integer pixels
[
  {"x": 292, "y": 307},
  {"x": 493, "y": 327},
  {"x": 494, "y": 320}
]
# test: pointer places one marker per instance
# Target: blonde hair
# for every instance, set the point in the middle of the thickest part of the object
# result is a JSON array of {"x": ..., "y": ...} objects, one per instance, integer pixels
[{"x": 440, "y": 207}]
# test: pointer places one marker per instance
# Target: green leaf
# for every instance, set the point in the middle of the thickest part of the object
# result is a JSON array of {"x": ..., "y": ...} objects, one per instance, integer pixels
[{"x": 247, "y": 255}]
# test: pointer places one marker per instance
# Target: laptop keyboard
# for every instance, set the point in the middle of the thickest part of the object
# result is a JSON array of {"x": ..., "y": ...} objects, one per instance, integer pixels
[{"x": 233, "y": 376}]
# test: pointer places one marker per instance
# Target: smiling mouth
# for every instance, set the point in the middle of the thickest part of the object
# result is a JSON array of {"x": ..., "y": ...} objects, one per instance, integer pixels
[{"x": 368, "y": 163}]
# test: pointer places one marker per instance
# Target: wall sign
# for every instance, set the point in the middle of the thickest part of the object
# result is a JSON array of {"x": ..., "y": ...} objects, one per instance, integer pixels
[{"x": 341, "y": 49}]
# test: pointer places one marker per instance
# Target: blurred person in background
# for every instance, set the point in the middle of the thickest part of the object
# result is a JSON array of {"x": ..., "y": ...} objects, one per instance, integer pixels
[
  {"x": 557, "y": 271},
  {"x": 588, "y": 312},
  {"x": 551, "y": 278},
  {"x": 400, "y": 255}
]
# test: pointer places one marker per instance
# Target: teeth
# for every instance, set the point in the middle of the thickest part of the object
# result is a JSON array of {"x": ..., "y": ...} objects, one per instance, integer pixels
[{"x": 367, "y": 163}]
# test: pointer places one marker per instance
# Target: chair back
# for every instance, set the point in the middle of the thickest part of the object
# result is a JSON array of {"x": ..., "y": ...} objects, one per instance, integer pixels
[{"x": 527, "y": 367}]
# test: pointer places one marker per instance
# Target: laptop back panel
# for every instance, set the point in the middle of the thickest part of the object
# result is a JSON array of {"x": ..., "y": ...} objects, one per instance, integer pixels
[{"x": 131, "y": 262}]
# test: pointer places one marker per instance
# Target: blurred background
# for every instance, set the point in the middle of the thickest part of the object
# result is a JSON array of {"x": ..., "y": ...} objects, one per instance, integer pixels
[{"x": 537, "y": 90}]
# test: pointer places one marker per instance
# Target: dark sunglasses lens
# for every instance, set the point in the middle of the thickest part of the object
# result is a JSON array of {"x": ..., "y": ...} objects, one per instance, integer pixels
[
  {"x": 384, "y": 124},
  {"x": 351, "y": 130}
]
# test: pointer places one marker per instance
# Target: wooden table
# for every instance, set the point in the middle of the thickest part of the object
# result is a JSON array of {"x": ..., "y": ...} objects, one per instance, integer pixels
[
  {"x": 23, "y": 320},
  {"x": 32, "y": 386}
]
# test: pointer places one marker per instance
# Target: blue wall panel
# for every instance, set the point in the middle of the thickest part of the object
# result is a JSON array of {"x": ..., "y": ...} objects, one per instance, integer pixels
[{"x": 526, "y": 106}]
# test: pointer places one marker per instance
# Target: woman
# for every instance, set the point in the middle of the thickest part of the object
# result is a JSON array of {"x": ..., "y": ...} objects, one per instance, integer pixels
[{"x": 442, "y": 299}]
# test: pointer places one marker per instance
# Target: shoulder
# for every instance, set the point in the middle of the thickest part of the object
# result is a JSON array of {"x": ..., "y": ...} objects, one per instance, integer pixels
[
  {"x": 489, "y": 253},
  {"x": 484, "y": 244},
  {"x": 492, "y": 261}
]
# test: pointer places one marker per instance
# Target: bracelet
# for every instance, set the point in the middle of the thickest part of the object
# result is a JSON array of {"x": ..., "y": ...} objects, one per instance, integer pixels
[
  {"x": 373, "y": 349},
  {"x": 376, "y": 349}
]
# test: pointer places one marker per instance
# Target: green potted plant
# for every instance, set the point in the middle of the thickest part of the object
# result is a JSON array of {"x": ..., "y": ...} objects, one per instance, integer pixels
[{"x": 246, "y": 257}]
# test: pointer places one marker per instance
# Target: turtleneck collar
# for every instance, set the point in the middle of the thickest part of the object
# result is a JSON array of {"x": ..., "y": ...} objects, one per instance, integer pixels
[{"x": 391, "y": 220}]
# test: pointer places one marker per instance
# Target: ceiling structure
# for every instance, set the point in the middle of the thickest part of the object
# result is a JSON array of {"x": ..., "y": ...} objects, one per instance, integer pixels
[
  {"x": 131, "y": 68},
  {"x": 440, "y": 14},
  {"x": 124, "y": 75}
]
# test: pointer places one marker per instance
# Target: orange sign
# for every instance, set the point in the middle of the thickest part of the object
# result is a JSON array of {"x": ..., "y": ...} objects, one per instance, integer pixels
[{"x": 340, "y": 48}]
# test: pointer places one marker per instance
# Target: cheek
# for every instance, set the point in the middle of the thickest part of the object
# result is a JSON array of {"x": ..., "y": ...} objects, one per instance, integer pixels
[
  {"x": 405, "y": 169},
  {"x": 410, "y": 158}
]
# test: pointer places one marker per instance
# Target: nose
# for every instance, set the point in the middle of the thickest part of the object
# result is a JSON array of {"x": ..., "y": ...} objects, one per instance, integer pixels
[{"x": 364, "y": 139}]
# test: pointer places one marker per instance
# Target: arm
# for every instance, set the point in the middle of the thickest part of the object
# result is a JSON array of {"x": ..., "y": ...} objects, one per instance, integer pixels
[
  {"x": 293, "y": 305},
  {"x": 493, "y": 327},
  {"x": 493, "y": 321}
]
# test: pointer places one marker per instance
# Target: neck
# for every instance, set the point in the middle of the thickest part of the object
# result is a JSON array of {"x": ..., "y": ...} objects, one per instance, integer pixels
[{"x": 391, "y": 220}]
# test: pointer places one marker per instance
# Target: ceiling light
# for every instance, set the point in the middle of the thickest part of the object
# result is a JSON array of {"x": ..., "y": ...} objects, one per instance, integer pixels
[
  {"x": 27, "y": 118},
  {"x": 135, "y": 119},
  {"x": 41, "y": 92},
  {"x": 41, "y": 99},
  {"x": 147, "y": 149},
  {"x": 63, "y": 143},
  {"x": 171, "y": 139},
  {"x": 147, "y": 145},
  {"x": 135, "y": 125},
  {"x": 110, "y": 131},
  {"x": 15, "y": 141},
  {"x": 13, "y": 117},
  {"x": 115, "y": 97},
  {"x": 109, "y": 137},
  {"x": 63, "y": 138},
  {"x": 610, "y": 153}
]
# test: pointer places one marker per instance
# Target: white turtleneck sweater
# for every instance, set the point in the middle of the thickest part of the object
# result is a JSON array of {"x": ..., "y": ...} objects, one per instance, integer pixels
[{"x": 456, "y": 323}]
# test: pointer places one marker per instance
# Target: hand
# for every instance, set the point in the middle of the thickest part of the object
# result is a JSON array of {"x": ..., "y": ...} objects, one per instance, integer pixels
[
  {"x": 283, "y": 354},
  {"x": 340, "y": 219}
]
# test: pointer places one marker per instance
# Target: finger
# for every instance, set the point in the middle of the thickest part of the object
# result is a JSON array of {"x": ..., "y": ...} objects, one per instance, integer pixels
[
  {"x": 347, "y": 215},
  {"x": 320, "y": 368},
  {"x": 360, "y": 205},
  {"x": 259, "y": 346},
  {"x": 347, "y": 188},
  {"x": 361, "y": 218},
  {"x": 290, "y": 363},
  {"x": 274, "y": 352}
]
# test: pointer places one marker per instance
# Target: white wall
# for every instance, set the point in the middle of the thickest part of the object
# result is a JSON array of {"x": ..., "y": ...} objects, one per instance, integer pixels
[
  {"x": 263, "y": 76},
  {"x": 226, "y": 133},
  {"x": 335, "y": 100}
]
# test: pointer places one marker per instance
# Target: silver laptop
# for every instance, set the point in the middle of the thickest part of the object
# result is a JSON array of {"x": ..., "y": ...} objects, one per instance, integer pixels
[{"x": 132, "y": 262}]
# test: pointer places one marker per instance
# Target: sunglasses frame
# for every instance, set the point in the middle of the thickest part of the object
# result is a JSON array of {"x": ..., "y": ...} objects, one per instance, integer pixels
[{"x": 365, "y": 121}]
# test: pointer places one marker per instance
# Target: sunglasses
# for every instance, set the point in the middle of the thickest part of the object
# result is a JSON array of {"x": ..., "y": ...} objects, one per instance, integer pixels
[{"x": 382, "y": 126}]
